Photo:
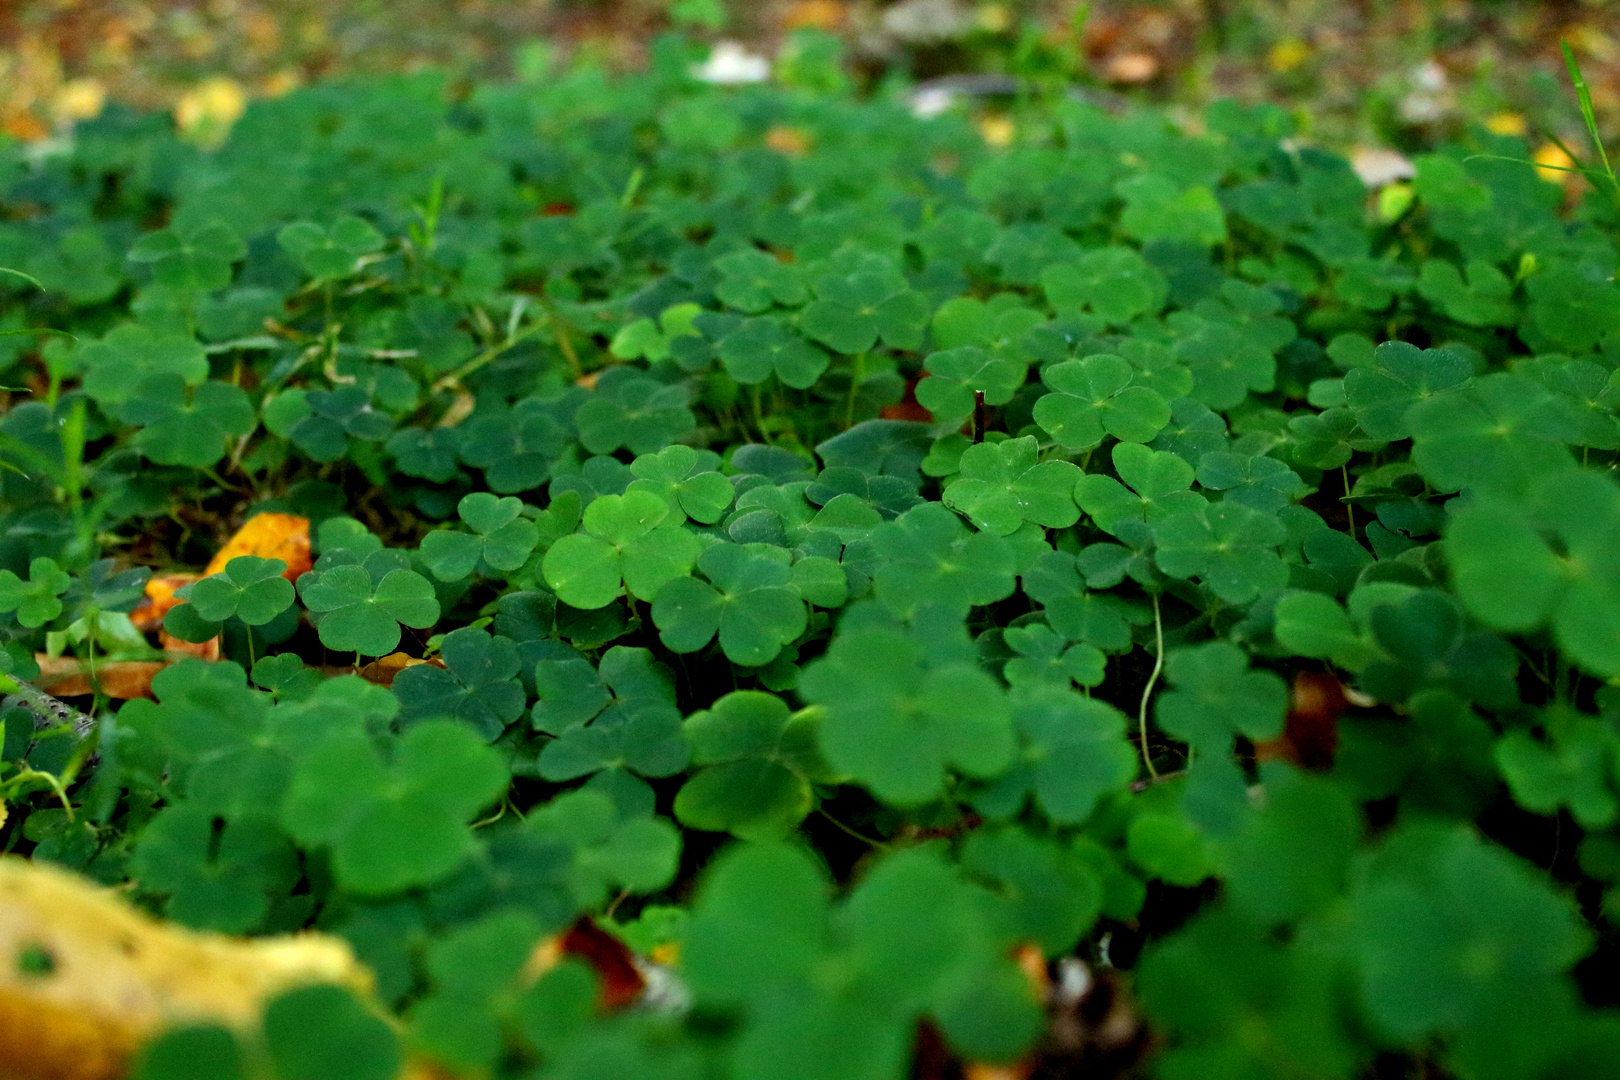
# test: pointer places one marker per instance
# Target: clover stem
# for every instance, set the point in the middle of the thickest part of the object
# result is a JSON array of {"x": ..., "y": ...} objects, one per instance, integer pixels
[
  {"x": 1349, "y": 507},
  {"x": 1147, "y": 691},
  {"x": 880, "y": 845},
  {"x": 856, "y": 374}
]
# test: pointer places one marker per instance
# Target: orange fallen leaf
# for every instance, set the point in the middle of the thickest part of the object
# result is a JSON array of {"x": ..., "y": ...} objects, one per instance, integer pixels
[
  {"x": 815, "y": 14},
  {"x": 269, "y": 536},
  {"x": 907, "y": 408},
  {"x": 383, "y": 669},
  {"x": 790, "y": 141},
  {"x": 149, "y": 613}
]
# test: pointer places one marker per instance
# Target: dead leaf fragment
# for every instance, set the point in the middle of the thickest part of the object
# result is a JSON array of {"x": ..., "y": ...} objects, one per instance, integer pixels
[
  {"x": 85, "y": 978},
  {"x": 269, "y": 536},
  {"x": 67, "y": 676},
  {"x": 1310, "y": 737},
  {"x": 383, "y": 669},
  {"x": 159, "y": 598},
  {"x": 620, "y": 981}
]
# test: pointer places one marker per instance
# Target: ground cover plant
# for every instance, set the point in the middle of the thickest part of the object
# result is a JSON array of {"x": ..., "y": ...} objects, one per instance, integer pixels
[{"x": 875, "y": 573}]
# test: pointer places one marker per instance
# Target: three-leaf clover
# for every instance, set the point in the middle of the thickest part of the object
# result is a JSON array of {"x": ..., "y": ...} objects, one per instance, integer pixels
[
  {"x": 1093, "y": 397},
  {"x": 764, "y": 346},
  {"x": 331, "y": 251},
  {"x": 1231, "y": 547},
  {"x": 1550, "y": 560},
  {"x": 850, "y": 313},
  {"x": 631, "y": 542},
  {"x": 956, "y": 374},
  {"x": 630, "y": 409},
  {"x": 215, "y": 878},
  {"x": 678, "y": 473},
  {"x": 1114, "y": 282},
  {"x": 186, "y": 428},
  {"x": 896, "y": 720},
  {"x": 478, "y": 684},
  {"x": 361, "y": 614},
  {"x": 751, "y": 605},
  {"x": 929, "y": 559},
  {"x": 36, "y": 600},
  {"x": 393, "y": 824},
  {"x": 121, "y": 362},
  {"x": 195, "y": 259},
  {"x": 1217, "y": 696},
  {"x": 1158, "y": 485},
  {"x": 1226, "y": 364},
  {"x": 501, "y": 537},
  {"x": 1402, "y": 375},
  {"x": 1002, "y": 485},
  {"x": 758, "y": 762},
  {"x": 752, "y": 280},
  {"x": 250, "y": 588}
]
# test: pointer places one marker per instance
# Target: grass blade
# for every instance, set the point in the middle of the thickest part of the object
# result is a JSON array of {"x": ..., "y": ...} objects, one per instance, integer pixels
[{"x": 1583, "y": 94}]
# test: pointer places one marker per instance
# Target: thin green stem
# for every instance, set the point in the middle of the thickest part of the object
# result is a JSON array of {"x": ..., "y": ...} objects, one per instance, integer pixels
[
  {"x": 1349, "y": 507},
  {"x": 857, "y": 372},
  {"x": 879, "y": 844},
  {"x": 1147, "y": 691}
]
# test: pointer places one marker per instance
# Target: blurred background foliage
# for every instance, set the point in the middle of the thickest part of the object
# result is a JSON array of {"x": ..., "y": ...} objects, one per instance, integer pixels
[{"x": 1369, "y": 74}]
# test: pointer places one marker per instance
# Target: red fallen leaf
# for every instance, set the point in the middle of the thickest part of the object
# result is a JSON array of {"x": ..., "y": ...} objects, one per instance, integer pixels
[
  {"x": 557, "y": 209},
  {"x": 621, "y": 982},
  {"x": 1310, "y": 735},
  {"x": 269, "y": 536},
  {"x": 907, "y": 408}
]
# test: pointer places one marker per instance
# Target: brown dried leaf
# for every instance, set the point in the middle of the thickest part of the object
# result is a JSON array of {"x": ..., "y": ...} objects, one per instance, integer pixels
[
  {"x": 67, "y": 676},
  {"x": 383, "y": 669}
]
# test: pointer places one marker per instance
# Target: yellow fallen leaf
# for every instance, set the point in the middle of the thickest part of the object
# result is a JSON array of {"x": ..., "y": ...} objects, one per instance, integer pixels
[
  {"x": 269, "y": 536},
  {"x": 85, "y": 978}
]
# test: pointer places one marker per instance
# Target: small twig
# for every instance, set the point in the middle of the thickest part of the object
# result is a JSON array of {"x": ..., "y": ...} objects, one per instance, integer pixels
[{"x": 978, "y": 416}]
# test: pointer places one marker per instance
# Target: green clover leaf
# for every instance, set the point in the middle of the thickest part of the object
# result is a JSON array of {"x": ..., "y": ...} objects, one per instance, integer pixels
[
  {"x": 1312, "y": 624},
  {"x": 516, "y": 447},
  {"x": 686, "y": 480},
  {"x": 1216, "y": 696},
  {"x": 1501, "y": 430},
  {"x": 610, "y": 850},
  {"x": 251, "y": 589},
  {"x": 1434, "y": 899},
  {"x": 1045, "y": 658},
  {"x": 955, "y": 374},
  {"x": 35, "y": 600},
  {"x": 1073, "y": 755},
  {"x": 628, "y": 409},
  {"x": 1001, "y": 485},
  {"x": 758, "y": 762},
  {"x": 1256, "y": 481},
  {"x": 1230, "y": 547},
  {"x": 1156, "y": 207},
  {"x": 1552, "y": 560},
  {"x": 363, "y": 616},
  {"x": 927, "y": 558},
  {"x": 751, "y": 605},
  {"x": 1326, "y": 440},
  {"x": 642, "y": 737},
  {"x": 1571, "y": 307},
  {"x": 1574, "y": 770},
  {"x": 425, "y": 453},
  {"x": 221, "y": 882},
  {"x": 630, "y": 543},
  {"x": 1114, "y": 282},
  {"x": 181, "y": 428},
  {"x": 1094, "y": 396},
  {"x": 751, "y": 281},
  {"x": 655, "y": 341},
  {"x": 121, "y": 362},
  {"x": 1226, "y": 364},
  {"x": 572, "y": 692},
  {"x": 850, "y": 313},
  {"x": 1052, "y": 895},
  {"x": 764, "y": 346},
  {"x": 1485, "y": 299},
  {"x": 896, "y": 721},
  {"x": 1372, "y": 284},
  {"x": 393, "y": 824},
  {"x": 332, "y": 251},
  {"x": 193, "y": 260},
  {"x": 1402, "y": 375},
  {"x": 501, "y": 537},
  {"x": 478, "y": 684},
  {"x": 1098, "y": 619},
  {"x": 1158, "y": 485}
]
